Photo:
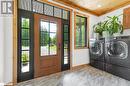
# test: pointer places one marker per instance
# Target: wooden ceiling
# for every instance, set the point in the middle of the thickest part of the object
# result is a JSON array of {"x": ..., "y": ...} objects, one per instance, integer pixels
[{"x": 96, "y": 7}]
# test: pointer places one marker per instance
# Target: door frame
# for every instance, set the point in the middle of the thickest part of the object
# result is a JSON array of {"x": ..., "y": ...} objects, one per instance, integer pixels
[{"x": 15, "y": 37}]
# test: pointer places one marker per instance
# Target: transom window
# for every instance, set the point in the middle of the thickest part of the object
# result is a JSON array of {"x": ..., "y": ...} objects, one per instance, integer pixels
[
  {"x": 48, "y": 38},
  {"x": 80, "y": 32}
]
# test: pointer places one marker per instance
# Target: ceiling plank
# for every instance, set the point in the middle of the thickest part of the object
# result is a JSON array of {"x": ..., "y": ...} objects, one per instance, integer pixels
[
  {"x": 99, "y": 11},
  {"x": 70, "y": 4},
  {"x": 115, "y": 8}
]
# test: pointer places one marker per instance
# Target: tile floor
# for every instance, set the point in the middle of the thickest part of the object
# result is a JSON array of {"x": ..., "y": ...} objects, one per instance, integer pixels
[{"x": 83, "y": 76}]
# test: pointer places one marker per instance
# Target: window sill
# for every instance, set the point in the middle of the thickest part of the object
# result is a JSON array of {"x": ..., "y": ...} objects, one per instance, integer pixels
[{"x": 81, "y": 48}]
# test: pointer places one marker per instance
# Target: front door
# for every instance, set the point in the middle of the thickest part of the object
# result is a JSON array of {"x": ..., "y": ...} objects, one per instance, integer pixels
[{"x": 47, "y": 45}]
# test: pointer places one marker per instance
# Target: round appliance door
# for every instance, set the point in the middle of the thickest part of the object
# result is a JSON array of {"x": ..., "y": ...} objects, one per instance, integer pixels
[
  {"x": 117, "y": 49},
  {"x": 96, "y": 48}
]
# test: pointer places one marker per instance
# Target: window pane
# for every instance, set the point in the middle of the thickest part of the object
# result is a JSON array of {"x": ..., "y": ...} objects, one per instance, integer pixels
[
  {"x": 25, "y": 23},
  {"x": 83, "y": 21},
  {"x": 25, "y": 44},
  {"x": 57, "y": 12},
  {"x": 65, "y": 44},
  {"x": 65, "y": 14},
  {"x": 77, "y": 20},
  {"x": 78, "y": 36},
  {"x": 37, "y": 7},
  {"x": 48, "y": 9},
  {"x": 66, "y": 60},
  {"x": 65, "y": 52},
  {"x": 65, "y": 36},
  {"x": 25, "y": 61},
  {"x": 80, "y": 31},
  {"x": 44, "y": 38},
  {"x": 53, "y": 27},
  {"x": 83, "y": 35},
  {"x": 44, "y": 43},
  {"x": 25, "y": 33},
  {"x": 53, "y": 46},
  {"x": 25, "y": 4},
  {"x": 53, "y": 49},
  {"x": 66, "y": 28},
  {"x": 44, "y": 50},
  {"x": 44, "y": 26}
]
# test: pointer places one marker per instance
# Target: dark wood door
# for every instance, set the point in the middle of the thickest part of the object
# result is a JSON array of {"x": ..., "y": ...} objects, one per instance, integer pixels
[{"x": 47, "y": 49}]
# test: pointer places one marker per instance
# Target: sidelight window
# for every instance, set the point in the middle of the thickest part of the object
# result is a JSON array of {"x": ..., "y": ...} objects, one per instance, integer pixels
[
  {"x": 66, "y": 43},
  {"x": 25, "y": 42}
]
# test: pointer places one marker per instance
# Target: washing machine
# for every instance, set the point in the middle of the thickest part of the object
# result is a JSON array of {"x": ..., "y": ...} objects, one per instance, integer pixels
[
  {"x": 97, "y": 53},
  {"x": 117, "y": 56}
]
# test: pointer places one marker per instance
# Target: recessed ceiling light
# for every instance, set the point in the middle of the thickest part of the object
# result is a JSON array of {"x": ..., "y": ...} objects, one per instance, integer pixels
[
  {"x": 50, "y": 0},
  {"x": 99, "y": 5}
]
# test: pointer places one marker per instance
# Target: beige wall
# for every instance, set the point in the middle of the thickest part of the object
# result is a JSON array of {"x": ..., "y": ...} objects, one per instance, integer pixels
[
  {"x": 1, "y": 50},
  {"x": 6, "y": 47}
]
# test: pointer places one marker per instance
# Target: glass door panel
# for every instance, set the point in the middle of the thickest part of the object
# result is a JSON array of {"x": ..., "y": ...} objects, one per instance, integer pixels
[
  {"x": 48, "y": 38},
  {"x": 53, "y": 44}
]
